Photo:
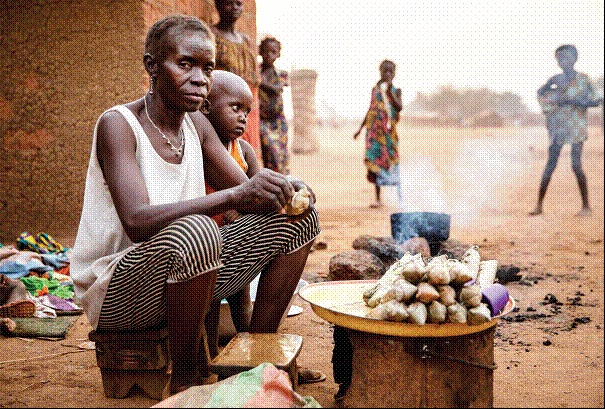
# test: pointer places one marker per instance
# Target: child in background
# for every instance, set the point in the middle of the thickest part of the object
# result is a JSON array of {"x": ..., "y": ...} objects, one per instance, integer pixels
[
  {"x": 382, "y": 142},
  {"x": 236, "y": 53},
  {"x": 564, "y": 100},
  {"x": 230, "y": 101},
  {"x": 273, "y": 124}
]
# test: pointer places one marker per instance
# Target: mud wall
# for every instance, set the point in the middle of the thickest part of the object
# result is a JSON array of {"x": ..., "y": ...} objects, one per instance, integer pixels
[{"x": 62, "y": 63}]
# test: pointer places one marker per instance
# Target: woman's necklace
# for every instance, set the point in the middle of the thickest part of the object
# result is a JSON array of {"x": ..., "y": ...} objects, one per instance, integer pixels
[{"x": 177, "y": 151}]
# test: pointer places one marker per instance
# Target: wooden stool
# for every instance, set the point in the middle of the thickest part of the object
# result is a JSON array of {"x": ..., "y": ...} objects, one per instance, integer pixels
[
  {"x": 246, "y": 351},
  {"x": 132, "y": 358}
]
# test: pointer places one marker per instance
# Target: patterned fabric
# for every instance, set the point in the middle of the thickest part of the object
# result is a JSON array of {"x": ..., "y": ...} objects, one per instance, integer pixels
[
  {"x": 272, "y": 103},
  {"x": 240, "y": 59},
  {"x": 273, "y": 123},
  {"x": 184, "y": 249},
  {"x": 189, "y": 247},
  {"x": 235, "y": 150},
  {"x": 567, "y": 123},
  {"x": 264, "y": 386},
  {"x": 382, "y": 142},
  {"x": 274, "y": 144}
]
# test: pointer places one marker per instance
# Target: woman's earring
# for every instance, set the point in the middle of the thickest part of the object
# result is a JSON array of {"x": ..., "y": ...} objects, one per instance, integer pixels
[
  {"x": 151, "y": 84},
  {"x": 205, "y": 108}
]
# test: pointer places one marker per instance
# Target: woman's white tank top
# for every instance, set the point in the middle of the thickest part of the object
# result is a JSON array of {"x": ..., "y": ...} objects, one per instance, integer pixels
[{"x": 101, "y": 240}]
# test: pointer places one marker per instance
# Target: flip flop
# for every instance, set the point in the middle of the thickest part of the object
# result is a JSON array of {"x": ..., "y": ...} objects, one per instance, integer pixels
[
  {"x": 18, "y": 309},
  {"x": 306, "y": 375}
]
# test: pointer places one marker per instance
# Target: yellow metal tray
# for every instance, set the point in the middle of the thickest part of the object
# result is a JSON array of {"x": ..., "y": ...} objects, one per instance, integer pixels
[{"x": 341, "y": 303}]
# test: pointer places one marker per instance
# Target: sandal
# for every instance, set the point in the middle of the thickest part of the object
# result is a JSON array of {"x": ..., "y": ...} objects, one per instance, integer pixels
[
  {"x": 18, "y": 309},
  {"x": 306, "y": 375}
]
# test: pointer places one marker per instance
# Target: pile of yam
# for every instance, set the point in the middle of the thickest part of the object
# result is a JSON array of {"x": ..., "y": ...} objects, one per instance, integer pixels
[{"x": 438, "y": 290}]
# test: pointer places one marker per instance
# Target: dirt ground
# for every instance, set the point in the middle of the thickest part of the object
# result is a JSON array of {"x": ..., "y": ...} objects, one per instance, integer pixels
[{"x": 548, "y": 355}]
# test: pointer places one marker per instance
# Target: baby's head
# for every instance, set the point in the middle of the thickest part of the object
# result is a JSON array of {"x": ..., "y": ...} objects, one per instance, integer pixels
[{"x": 230, "y": 103}]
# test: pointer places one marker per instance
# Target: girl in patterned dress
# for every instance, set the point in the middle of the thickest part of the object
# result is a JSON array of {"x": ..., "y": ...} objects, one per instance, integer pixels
[
  {"x": 382, "y": 142},
  {"x": 273, "y": 124}
]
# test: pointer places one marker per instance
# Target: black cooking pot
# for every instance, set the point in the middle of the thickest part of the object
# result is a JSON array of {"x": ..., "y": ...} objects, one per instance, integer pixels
[{"x": 434, "y": 227}]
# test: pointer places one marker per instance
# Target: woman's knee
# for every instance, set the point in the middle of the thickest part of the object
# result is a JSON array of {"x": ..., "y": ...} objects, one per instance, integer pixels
[{"x": 195, "y": 241}]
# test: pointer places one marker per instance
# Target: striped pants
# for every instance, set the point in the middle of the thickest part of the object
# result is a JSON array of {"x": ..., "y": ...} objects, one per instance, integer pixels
[{"x": 191, "y": 246}]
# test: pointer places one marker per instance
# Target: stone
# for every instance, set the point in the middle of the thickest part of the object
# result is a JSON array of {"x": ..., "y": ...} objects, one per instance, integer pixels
[
  {"x": 355, "y": 265},
  {"x": 453, "y": 248},
  {"x": 385, "y": 248},
  {"x": 417, "y": 245}
]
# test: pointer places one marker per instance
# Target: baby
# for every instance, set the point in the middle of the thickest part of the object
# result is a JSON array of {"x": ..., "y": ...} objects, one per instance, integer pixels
[{"x": 230, "y": 103}]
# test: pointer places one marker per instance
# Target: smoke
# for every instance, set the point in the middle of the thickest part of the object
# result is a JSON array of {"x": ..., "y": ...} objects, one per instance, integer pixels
[
  {"x": 421, "y": 186},
  {"x": 471, "y": 183}
]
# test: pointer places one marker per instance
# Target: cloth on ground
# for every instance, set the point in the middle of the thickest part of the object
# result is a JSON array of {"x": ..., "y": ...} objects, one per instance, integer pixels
[
  {"x": 43, "y": 327},
  {"x": 42, "y": 243},
  {"x": 60, "y": 305},
  {"x": 264, "y": 386},
  {"x": 18, "y": 269},
  {"x": 36, "y": 284}
]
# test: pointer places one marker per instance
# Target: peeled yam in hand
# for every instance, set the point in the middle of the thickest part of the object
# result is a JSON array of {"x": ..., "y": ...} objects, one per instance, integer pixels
[
  {"x": 299, "y": 203},
  {"x": 426, "y": 293},
  {"x": 447, "y": 295},
  {"x": 437, "y": 312},
  {"x": 487, "y": 273},
  {"x": 471, "y": 296},
  {"x": 417, "y": 313},
  {"x": 479, "y": 314},
  {"x": 456, "y": 313}
]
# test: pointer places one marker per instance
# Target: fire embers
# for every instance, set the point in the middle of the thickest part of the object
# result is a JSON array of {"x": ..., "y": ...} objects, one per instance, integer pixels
[{"x": 442, "y": 290}]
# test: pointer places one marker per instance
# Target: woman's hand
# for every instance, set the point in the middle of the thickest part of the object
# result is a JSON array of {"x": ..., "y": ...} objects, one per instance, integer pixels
[
  {"x": 299, "y": 185},
  {"x": 231, "y": 215},
  {"x": 265, "y": 192}
]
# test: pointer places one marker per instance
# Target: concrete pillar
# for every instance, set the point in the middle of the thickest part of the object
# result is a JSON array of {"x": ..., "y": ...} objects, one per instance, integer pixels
[{"x": 304, "y": 115}]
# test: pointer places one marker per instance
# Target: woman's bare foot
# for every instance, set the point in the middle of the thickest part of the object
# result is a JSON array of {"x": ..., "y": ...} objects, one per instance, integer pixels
[
  {"x": 586, "y": 211},
  {"x": 376, "y": 205}
]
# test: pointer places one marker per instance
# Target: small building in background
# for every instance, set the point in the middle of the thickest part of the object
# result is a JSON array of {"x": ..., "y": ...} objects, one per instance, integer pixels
[{"x": 484, "y": 119}]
